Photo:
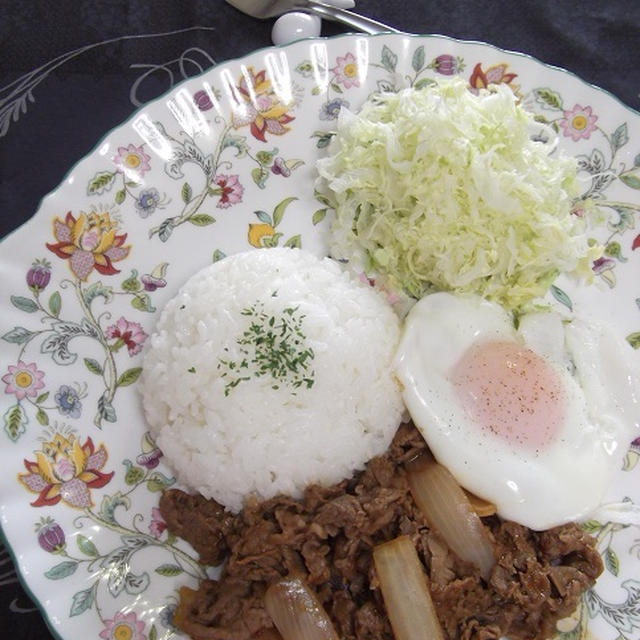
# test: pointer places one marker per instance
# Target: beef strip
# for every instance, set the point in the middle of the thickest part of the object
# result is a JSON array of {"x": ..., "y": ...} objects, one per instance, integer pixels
[
  {"x": 327, "y": 538},
  {"x": 204, "y": 523}
]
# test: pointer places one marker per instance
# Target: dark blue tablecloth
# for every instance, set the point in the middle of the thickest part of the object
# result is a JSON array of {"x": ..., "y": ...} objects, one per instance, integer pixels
[{"x": 72, "y": 70}]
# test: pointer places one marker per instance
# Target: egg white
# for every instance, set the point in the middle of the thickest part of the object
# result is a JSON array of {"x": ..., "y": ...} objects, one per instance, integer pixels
[{"x": 561, "y": 482}]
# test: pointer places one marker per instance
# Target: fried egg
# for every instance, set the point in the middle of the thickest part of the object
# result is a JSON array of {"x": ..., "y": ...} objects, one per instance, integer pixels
[{"x": 535, "y": 420}]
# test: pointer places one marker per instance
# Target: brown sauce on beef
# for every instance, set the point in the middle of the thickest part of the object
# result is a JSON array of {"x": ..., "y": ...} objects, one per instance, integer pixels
[{"x": 327, "y": 537}]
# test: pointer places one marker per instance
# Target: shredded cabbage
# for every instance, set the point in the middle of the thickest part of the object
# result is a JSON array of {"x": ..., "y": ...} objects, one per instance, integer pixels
[{"x": 441, "y": 189}]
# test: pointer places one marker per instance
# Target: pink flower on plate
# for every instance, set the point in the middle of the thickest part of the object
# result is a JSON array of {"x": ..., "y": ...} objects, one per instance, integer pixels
[
  {"x": 123, "y": 627},
  {"x": 50, "y": 535},
  {"x": 346, "y": 71},
  {"x": 126, "y": 333},
  {"x": 202, "y": 100},
  {"x": 157, "y": 526},
  {"x": 229, "y": 189},
  {"x": 280, "y": 167},
  {"x": 39, "y": 275},
  {"x": 601, "y": 265},
  {"x": 578, "y": 123},
  {"x": 150, "y": 459},
  {"x": 132, "y": 161},
  {"x": 447, "y": 64},
  {"x": 25, "y": 380},
  {"x": 605, "y": 268}
]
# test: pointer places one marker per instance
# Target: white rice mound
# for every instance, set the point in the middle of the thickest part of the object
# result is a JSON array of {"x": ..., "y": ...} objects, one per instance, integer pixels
[{"x": 258, "y": 440}]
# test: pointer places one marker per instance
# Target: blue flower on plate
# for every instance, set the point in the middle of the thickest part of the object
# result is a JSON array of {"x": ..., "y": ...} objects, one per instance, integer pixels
[
  {"x": 331, "y": 109},
  {"x": 68, "y": 401},
  {"x": 147, "y": 202}
]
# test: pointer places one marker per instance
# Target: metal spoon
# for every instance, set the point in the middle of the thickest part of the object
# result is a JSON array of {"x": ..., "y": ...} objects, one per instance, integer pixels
[{"x": 270, "y": 8}]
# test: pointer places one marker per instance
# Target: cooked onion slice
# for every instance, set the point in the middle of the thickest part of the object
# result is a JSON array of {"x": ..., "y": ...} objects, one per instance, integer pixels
[
  {"x": 296, "y": 611},
  {"x": 404, "y": 588},
  {"x": 448, "y": 511},
  {"x": 481, "y": 506}
]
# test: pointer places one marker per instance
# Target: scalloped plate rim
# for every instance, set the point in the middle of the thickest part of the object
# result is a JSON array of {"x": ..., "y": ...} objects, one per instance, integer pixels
[{"x": 51, "y": 196}]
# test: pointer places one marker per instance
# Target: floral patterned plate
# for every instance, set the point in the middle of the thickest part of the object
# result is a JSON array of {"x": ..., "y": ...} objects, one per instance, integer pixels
[{"x": 223, "y": 163}]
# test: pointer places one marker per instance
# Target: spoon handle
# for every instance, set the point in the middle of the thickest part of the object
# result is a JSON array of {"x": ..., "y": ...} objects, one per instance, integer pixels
[{"x": 353, "y": 20}]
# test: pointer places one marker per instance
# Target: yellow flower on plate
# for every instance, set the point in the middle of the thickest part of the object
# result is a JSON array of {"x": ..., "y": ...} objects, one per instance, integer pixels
[
  {"x": 258, "y": 232},
  {"x": 261, "y": 107},
  {"x": 89, "y": 242},
  {"x": 65, "y": 469}
]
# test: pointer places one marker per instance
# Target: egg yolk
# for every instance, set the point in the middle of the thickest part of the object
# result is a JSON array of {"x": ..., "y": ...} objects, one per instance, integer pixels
[{"x": 511, "y": 392}]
